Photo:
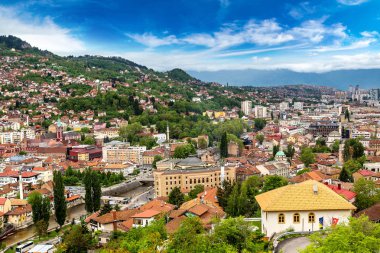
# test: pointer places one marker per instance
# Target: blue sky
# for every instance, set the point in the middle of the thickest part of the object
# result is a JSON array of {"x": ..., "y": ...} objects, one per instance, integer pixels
[{"x": 305, "y": 36}]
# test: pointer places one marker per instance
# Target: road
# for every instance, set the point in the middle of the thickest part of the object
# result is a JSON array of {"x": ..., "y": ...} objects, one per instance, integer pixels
[{"x": 293, "y": 245}]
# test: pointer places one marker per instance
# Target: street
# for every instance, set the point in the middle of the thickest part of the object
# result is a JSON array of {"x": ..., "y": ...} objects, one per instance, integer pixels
[{"x": 293, "y": 245}]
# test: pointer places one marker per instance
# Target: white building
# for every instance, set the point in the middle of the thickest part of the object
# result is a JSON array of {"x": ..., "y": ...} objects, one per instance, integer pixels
[
  {"x": 261, "y": 112},
  {"x": 161, "y": 138},
  {"x": 298, "y": 106},
  {"x": 246, "y": 107},
  {"x": 374, "y": 167},
  {"x": 284, "y": 106},
  {"x": 307, "y": 206},
  {"x": 356, "y": 134}
]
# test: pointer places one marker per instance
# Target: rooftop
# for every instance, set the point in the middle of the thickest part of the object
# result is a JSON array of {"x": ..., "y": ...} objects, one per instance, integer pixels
[{"x": 306, "y": 196}]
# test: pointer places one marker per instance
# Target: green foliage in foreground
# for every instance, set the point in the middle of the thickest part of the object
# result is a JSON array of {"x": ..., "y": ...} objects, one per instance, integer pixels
[
  {"x": 360, "y": 235},
  {"x": 231, "y": 235}
]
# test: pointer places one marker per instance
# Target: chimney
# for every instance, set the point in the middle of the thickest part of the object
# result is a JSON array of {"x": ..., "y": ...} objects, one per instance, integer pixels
[
  {"x": 315, "y": 189},
  {"x": 339, "y": 186},
  {"x": 114, "y": 221}
]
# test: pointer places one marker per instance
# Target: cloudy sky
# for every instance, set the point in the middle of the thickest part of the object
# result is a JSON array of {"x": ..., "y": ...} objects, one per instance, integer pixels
[{"x": 305, "y": 36}]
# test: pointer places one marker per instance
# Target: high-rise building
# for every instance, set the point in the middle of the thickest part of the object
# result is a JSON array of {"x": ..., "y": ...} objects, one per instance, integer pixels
[
  {"x": 246, "y": 107},
  {"x": 298, "y": 106},
  {"x": 374, "y": 94},
  {"x": 261, "y": 112}
]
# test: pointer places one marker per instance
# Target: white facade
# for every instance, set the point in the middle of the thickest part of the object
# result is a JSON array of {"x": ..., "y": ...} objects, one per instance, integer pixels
[
  {"x": 246, "y": 107},
  {"x": 355, "y": 134},
  {"x": 261, "y": 112},
  {"x": 298, "y": 106},
  {"x": 270, "y": 223},
  {"x": 284, "y": 106},
  {"x": 161, "y": 138},
  {"x": 374, "y": 167}
]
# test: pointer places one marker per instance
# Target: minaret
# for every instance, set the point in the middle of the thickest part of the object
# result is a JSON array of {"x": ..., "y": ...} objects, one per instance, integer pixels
[
  {"x": 167, "y": 133},
  {"x": 59, "y": 130},
  {"x": 20, "y": 185},
  {"x": 222, "y": 175}
]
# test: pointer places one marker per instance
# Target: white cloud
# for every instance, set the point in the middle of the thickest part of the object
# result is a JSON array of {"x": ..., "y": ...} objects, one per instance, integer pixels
[
  {"x": 301, "y": 10},
  {"x": 352, "y": 2},
  {"x": 316, "y": 30},
  {"x": 362, "y": 43},
  {"x": 151, "y": 40},
  {"x": 260, "y": 33},
  {"x": 42, "y": 33}
]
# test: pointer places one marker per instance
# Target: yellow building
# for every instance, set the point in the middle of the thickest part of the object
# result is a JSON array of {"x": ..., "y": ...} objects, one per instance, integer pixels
[
  {"x": 187, "y": 173},
  {"x": 218, "y": 115}
]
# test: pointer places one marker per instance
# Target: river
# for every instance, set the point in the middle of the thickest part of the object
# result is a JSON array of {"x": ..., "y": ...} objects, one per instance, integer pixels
[{"x": 72, "y": 213}]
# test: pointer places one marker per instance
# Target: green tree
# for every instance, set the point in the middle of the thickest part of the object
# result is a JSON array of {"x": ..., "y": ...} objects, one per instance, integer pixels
[
  {"x": 335, "y": 146},
  {"x": 223, "y": 193},
  {"x": 93, "y": 190},
  {"x": 105, "y": 209},
  {"x": 176, "y": 197},
  {"x": 77, "y": 240},
  {"x": 182, "y": 241},
  {"x": 196, "y": 190},
  {"x": 290, "y": 151},
  {"x": 360, "y": 235},
  {"x": 275, "y": 149},
  {"x": 347, "y": 115},
  {"x": 239, "y": 234},
  {"x": 272, "y": 182},
  {"x": 305, "y": 170},
  {"x": 352, "y": 166},
  {"x": 156, "y": 159},
  {"x": 60, "y": 206},
  {"x": 353, "y": 149},
  {"x": 224, "y": 146},
  {"x": 307, "y": 156},
  {"x": 130, "y": 132},
  {"x": 345, "y": 175},
  {"x": 40, "y": 211},
  {"x": 143, "y": 239},
  {"x": 202, "y": 143},
  {"x": 184, "y": 151},
  {"x": 259, "y": 124},
  {"x": 260, "y": 138},
  {"x": 366, "y": 193},
  {"x": 148, "y": 141}
]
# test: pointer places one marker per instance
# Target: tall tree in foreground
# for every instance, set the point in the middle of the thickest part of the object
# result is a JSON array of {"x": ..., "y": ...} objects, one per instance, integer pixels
[
  {"x": 60, "y": 206},
  {"x": 40, "y": 212},
  {"x": 224, "y": 146},
  {"x": 93, "y": 190}
]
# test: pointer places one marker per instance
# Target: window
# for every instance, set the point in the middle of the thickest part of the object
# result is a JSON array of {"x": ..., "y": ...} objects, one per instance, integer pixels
[
  {"x": 281, "y": 218},
  {"x": 311, "y": 218},
  {"x": 296, "y": 218}
]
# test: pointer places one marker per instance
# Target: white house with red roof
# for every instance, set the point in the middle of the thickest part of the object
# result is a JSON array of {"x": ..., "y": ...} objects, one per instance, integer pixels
[{"x": 9, "y": 177}]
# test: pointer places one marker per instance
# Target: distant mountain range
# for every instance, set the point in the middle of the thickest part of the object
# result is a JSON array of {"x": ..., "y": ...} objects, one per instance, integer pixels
[{"x": 340, "y": 79}]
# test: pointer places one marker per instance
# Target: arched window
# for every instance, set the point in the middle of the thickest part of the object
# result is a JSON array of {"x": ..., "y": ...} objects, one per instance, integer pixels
[
  {"x": 296, "y": 218},
  {"x": 311, "y": 218},
  {"x": 191, "y": 181},
  {"x": 281, "y": 218}
]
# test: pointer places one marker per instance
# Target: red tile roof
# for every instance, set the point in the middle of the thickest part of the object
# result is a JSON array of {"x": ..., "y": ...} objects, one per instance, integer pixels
[{"x": 146, "y": 214}]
